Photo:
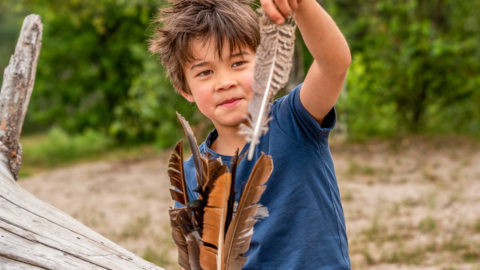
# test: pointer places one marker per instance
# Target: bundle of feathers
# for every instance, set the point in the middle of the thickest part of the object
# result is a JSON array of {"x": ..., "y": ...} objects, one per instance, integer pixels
[{"x": 207, "y": 232}]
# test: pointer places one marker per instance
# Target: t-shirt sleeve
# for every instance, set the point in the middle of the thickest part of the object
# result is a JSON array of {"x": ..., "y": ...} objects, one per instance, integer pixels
[{"x": 296, "y": 122}]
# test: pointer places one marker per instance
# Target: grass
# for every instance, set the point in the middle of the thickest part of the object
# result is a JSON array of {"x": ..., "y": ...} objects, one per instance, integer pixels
[
  {"x": 427, "y": 225},
  {"x": 347, "y": 196},
  {"x": 57, "y": 148},
  {"x": 403, "y": 242},
  {"x": 405, "y": 255},
  {"x": 356, "y": 169},
  {"x": 161, "y": 252},
  {"x": 157, "y": 257},
  {"x": 392, "y": 233},
  {"x": 476, "y": 226},
  {"x": 136, "y": 227}
]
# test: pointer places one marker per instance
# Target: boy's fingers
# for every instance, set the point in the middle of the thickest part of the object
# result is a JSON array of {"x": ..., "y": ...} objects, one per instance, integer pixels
[
  {"x": 293, "y": 4},
  {"x": 271, "y": 10},
  {"x": 284, "y": 7}
]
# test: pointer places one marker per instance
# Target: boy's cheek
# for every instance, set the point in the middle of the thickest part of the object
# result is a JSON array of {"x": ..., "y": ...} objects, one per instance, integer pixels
[{"x": 248, "y": 79}]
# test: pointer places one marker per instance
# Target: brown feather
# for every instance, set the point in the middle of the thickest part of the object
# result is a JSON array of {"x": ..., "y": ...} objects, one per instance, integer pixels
[
  {"x": 215, "y": 168},
  {"x": 177, "y": 175},
  {"x": 192, "y": 237},
  {"x": 201, "y": 167},
  {"x": 198, "y": 160},
  {"x": 231, "y": 200},
  {"x": 240, "y": 231},
  {"x": 179, "y": 238},
  {"x": 204, "y": 223},
  {"x": 214, "y": 223}
]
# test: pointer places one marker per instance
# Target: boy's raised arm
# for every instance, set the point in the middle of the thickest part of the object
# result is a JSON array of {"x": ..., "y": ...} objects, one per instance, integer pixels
[{"x": 327, "y": 45}]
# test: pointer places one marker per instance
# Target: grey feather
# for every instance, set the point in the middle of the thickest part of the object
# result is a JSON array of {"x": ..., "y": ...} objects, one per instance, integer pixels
[{"x": 272, "y": 68}]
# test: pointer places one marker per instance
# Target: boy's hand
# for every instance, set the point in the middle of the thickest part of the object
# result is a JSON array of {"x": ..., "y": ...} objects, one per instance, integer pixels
[{"x": 278, "y": 10}]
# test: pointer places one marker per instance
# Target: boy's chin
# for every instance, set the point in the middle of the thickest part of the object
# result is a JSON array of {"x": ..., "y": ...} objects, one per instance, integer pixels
[{"x": 232, "y": 122}]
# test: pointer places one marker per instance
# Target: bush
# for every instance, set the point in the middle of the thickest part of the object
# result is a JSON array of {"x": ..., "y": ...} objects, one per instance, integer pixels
[
  {"x": 59, "y": 147},
  {"x": 415, "y": 66}
]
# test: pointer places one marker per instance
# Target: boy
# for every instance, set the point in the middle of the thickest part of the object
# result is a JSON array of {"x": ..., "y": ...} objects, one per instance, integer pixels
[{"x": 208, "y": 48}]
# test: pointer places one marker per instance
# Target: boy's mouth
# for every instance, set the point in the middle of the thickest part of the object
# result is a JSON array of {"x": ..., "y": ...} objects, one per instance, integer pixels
[{"x": 230, "y": 102}]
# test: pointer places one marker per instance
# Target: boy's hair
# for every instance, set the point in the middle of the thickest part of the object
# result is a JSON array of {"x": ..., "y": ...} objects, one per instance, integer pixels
[{"x": 231, "y": 22}]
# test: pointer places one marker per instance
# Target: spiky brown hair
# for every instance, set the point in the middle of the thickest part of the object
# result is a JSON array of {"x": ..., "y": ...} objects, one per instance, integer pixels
[{"x": 231, "y": 22}]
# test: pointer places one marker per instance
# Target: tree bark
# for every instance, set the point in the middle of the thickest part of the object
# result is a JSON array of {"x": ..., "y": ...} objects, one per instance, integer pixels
[{"x": 18, "y": 80}]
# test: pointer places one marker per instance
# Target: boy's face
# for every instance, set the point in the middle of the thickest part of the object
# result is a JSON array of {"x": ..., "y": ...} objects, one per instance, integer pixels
[{"x": 220, "y": 86}]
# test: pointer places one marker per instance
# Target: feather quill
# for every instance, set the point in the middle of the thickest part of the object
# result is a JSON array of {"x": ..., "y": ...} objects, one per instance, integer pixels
[
  {"x": 273, "y": 62},
  {"x": 240, "y": 231}
]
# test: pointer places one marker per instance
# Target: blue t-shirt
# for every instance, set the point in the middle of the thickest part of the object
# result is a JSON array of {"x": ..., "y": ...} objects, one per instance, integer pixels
[{"x": 305, "y": 228}]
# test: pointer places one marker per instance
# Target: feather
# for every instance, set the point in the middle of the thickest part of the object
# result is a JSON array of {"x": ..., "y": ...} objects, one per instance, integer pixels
[
  {"x": 240, "y": 231},
  {"x": 184, "y": 225},
  {"x": 201, "y": 167},
  {"x": 231, "y": 200},
  {"x": 272, "y": 69},
  {"x": 198, "y": 160},
  {"x": 177, "y": 176},
  {"x": 192, "y": 238},
  {"x": 179, "y": 238},
  {"x": 215, "y": 169},
  {"x": 205, "y": 233},
  {"x": 215, "y": 211}
]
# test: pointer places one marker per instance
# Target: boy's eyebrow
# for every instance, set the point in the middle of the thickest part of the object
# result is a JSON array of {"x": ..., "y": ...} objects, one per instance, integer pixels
[
  {"x": 238, "y": 54},
  {"x": 204, "y": 63}
]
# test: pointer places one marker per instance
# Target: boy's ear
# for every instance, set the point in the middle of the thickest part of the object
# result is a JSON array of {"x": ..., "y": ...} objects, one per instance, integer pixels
[{"x": 187, "y": 96}]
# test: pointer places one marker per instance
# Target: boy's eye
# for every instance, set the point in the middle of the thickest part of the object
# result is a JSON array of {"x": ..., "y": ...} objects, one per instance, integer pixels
[
  {"x": 239, "y": 63},
  {"x": 204, "y": 73}
]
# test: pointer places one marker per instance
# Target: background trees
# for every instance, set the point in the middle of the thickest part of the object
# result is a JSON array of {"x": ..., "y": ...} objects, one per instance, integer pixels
[{"x": 415, "y": 68}]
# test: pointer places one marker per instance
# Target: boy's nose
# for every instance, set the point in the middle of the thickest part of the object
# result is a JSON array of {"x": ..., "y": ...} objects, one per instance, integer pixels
[{"x": 225, "y": 84}]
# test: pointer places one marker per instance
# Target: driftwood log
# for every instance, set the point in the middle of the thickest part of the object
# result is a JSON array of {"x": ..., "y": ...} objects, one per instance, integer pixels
[{"x": 34, "y": 234}]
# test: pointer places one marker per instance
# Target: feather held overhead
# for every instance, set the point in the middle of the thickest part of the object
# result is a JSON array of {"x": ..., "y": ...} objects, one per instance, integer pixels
[{"x": 273, "y": 63}]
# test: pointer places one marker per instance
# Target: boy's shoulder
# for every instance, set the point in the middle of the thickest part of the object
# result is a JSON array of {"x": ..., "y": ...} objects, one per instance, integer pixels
[{"x": 292, "y": 119}]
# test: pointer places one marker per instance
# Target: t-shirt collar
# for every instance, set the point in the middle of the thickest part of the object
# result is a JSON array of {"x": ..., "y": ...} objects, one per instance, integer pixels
[{"x": 212, "y": 136}]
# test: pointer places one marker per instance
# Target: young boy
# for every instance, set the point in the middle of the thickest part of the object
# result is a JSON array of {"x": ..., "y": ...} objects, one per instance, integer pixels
[{"x": 208, "y": 48}]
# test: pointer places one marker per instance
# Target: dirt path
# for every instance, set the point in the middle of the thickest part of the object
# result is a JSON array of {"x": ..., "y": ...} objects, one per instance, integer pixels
[{"x": 412, "y": 204}]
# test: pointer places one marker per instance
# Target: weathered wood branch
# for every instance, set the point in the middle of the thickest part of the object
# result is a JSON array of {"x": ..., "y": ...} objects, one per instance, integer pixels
[
  {"x": 18, "y": 80},
  {"x": 34, "y": 234}
]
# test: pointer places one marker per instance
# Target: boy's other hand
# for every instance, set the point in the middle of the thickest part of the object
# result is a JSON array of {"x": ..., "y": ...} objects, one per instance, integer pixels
[{"x": 279, "y": 10}]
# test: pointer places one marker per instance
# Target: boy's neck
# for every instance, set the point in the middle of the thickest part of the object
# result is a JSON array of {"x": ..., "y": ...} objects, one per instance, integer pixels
[{"x": 228, "y": 141}]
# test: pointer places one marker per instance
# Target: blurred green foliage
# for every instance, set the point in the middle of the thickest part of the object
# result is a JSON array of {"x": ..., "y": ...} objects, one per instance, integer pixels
[
  {"x": 58, "y": 147},
  {"x": 95, "y": 72},
  {"x": 415, "y": 68}
]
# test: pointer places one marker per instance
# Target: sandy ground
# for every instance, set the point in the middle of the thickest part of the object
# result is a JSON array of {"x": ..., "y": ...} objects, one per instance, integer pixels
[{"x": 409, "y": 204}]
